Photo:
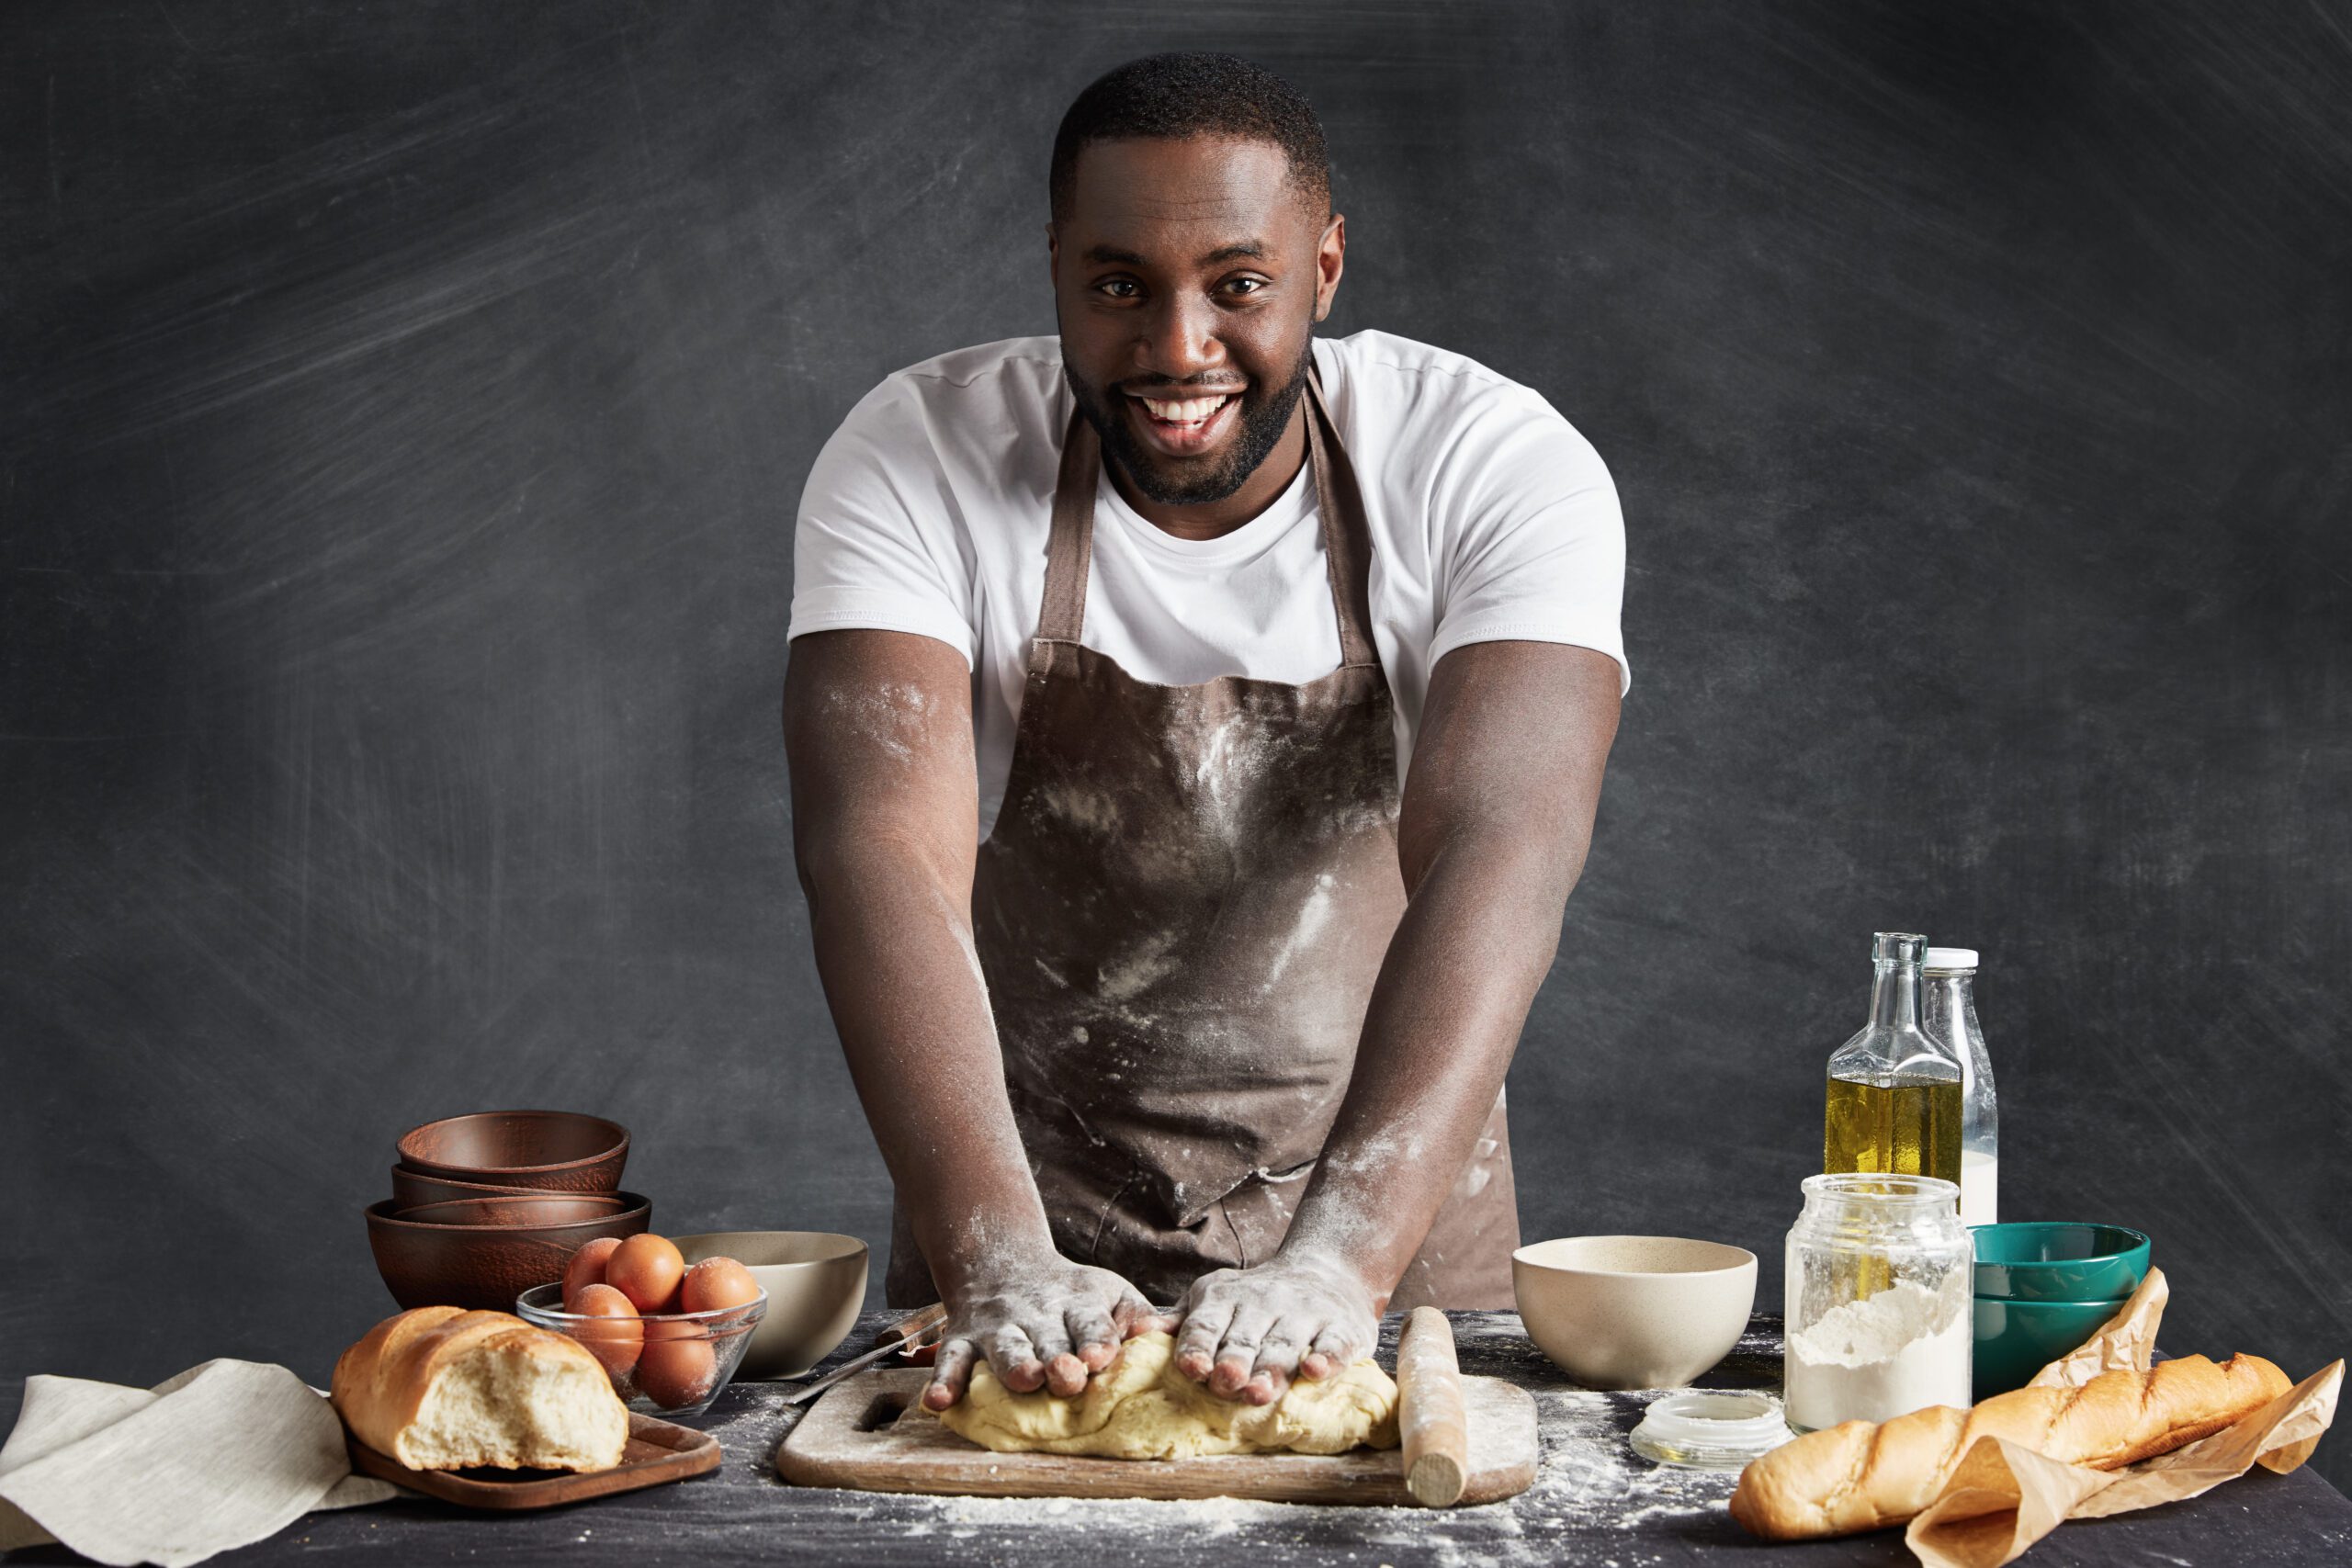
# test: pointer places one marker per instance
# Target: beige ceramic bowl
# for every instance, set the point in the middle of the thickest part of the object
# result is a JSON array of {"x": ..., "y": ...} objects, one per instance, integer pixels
[
  {"x": 1633, "y": 1310},
  {"x": 816, "y": 1285}
]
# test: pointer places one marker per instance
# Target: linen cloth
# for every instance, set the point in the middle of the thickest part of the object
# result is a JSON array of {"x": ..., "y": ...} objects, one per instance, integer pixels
[{"x": 222, "y": 1455}]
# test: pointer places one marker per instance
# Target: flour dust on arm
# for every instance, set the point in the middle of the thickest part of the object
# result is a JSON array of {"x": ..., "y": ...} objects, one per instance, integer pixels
[
  {"x": 1492, "y": 830},
  {"x": 879, "y": 732}
]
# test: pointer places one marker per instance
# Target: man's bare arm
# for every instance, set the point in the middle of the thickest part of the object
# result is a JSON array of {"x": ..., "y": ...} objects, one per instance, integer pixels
[
  {"x": 878, "y": 731},
  {"x": 1496, "y": 820}
]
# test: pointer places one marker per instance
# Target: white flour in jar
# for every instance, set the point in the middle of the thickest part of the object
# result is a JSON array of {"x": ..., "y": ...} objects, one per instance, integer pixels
[{"x": 1875, "y": 1359}]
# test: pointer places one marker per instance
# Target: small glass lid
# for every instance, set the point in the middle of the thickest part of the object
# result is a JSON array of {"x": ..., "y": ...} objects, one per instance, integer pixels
[{"x": 1704, "y": 1428}]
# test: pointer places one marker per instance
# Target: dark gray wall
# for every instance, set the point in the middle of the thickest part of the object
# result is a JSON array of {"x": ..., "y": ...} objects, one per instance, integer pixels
[{"x": 402, "y": 408}]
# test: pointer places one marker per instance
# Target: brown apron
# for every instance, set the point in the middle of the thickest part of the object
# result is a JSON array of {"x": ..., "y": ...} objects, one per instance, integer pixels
[{"x": 1180, "y": 911}]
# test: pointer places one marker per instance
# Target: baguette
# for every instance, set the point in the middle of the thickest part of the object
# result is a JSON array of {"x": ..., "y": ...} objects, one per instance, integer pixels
[
  {"x": 1858, "y": 1476},
  {"x": 441, "y": 1388}
]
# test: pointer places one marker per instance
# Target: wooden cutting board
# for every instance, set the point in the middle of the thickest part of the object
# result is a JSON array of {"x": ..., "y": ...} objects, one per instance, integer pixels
[
  {"x": 867, "y": 1434},
  {"x": 658, "y": 1451}
]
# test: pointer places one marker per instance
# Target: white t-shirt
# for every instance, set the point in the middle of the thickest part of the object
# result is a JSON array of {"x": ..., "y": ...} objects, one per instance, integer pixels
[{"x": 1490, "y": 518}]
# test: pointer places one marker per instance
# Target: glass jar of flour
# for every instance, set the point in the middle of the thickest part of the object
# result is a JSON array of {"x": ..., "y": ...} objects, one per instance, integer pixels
[{"x": 1877, "y": 1300}]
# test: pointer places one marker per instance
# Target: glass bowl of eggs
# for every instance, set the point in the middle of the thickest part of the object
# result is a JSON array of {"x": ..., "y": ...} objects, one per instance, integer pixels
[{"x": 670, "y": 1335}]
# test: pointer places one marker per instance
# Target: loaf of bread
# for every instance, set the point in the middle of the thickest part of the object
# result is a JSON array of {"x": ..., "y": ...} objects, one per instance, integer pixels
[
  {"x": 1859, "y": 1477},
  {"x": 441, "y": 1388}
]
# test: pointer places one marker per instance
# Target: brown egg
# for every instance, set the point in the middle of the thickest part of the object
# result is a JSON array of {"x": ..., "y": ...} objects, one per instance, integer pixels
[
  {"x": 647, "y": 1270},
  {"x": 615, "y": 1335},
  {"x": 586, "y": 1268},
  {"x": 718, "y": 1283},
  {"x": 678, "y": 1367}
]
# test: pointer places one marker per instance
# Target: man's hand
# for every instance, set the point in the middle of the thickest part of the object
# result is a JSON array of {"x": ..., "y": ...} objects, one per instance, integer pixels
[
  {"x": 1041, "y": 1323},
  {"x": 1248, "y": 1331}
]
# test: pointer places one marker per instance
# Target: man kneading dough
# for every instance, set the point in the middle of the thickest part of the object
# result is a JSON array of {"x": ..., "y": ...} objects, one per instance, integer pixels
[
  {"x": 1278, "y": 674},
  {"x": 1143, "y": 1407}
]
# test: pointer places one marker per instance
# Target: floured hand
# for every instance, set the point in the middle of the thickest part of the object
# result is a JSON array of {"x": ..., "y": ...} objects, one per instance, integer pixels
[
  {"x": 1248, "y": 1331},
  {"x": 1041, "y": 1323}
]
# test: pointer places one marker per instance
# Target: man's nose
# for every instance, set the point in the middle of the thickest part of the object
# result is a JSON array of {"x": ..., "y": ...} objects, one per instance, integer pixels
[{"x": 1178, "y": 339}]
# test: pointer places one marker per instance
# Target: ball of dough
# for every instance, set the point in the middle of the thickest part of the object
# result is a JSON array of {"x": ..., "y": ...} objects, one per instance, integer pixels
[{"x": 1142, "y": 1407}]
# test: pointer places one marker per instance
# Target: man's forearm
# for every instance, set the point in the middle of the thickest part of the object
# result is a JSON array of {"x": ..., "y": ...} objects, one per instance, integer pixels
[
  {"x": 1496, "y": 820},
  {"x": 894, "y": 949},
  {"x": 1462, "y": 970},
  {"x": 878, "y": 728}
]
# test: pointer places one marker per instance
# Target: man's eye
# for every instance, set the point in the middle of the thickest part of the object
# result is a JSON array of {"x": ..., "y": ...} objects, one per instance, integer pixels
[
  {"x": 1111, "y": 285},
  {"x": 1253, "y": 285}
]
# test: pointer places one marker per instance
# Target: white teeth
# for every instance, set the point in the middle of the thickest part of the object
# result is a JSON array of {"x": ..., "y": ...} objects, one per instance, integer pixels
[{"x": 1192, "y": 410}]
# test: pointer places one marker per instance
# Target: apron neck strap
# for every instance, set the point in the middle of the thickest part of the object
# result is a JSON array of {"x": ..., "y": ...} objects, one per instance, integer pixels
[
  {"x": 1070, "y": 551},
  {"x": 1347, "y": 541}
]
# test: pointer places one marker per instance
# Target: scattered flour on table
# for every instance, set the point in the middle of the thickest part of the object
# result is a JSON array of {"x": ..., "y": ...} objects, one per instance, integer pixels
[
  {"x": 1588, "y": 1482},
  {"x": 1136, "y": 1520},
  {"x": 1589, "y": 1479},
  {"x": 1594, "y": 1501}
]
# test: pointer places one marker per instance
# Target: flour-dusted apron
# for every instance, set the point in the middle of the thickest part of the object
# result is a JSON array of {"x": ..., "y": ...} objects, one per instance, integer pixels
[{"x": 1180, "y": 911}]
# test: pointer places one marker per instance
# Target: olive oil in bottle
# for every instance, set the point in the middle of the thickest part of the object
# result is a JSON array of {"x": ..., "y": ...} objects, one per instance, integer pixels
[
  {"x": 1903, "y": 1128},
  {"x": 1894, "y": 1102}
]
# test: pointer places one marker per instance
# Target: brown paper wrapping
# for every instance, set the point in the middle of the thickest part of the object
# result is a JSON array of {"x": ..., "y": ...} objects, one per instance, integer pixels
[{"x": 2001, "y": 1497}]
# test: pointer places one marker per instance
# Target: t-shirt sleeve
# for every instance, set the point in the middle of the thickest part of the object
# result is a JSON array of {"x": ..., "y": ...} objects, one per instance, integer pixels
[
  {"x": 1529, "y": 542},
  {"x": 875, "y": 545}
]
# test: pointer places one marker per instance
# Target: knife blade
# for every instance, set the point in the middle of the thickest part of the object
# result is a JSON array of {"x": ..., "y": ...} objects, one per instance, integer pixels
[
  {"x": 907, "y": 1335},
  {"x": 914, "y": 1325}
]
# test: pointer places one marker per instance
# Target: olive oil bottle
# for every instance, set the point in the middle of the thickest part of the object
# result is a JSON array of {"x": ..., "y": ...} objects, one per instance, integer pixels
[
  {"x": 1903, "y": 1128},
  {"x": 1895, "y": 1101}
]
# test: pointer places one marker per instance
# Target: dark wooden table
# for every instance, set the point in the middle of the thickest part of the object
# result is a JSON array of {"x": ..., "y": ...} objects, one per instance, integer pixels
[{"x": 1595, "y": 1502}]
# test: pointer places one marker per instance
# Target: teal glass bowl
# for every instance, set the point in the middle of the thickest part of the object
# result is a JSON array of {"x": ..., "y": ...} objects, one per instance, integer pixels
[
  {"x": 2016, "y": 1339},
  {"x": 2056, "y": 1261}
]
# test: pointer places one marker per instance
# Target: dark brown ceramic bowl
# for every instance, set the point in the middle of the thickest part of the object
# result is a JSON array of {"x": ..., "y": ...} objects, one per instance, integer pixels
[
  {"x": 549, "y": 1151},
  {"x": 484, "y": 1266},
  {"x": 413, "y": 1189},
  {"x": 529, "y": 1209}
]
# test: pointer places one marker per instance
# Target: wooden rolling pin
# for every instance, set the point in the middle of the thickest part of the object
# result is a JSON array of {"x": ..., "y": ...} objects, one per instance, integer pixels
[{"x": 1431, "y": 1417}]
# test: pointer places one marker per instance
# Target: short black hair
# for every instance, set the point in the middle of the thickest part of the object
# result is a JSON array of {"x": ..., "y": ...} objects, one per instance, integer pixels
[{"x": 1174, "y": 96}]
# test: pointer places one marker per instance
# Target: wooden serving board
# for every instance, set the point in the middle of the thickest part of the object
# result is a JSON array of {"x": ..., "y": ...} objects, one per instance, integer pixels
[
  {"x": 658, "y": 1451},
  {"x": 869, "y": 1434}
]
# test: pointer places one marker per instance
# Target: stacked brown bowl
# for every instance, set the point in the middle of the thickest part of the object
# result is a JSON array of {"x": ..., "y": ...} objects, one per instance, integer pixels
[{"x": 486, "y": 1206}]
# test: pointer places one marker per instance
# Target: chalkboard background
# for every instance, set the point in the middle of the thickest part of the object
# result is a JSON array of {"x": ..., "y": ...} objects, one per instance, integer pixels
[{"x": 402, "y": 408}]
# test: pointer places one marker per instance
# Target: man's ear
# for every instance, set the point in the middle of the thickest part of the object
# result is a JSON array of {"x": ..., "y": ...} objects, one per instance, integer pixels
[
  {"x": 1053, "y": 253},
  {"x": 1330, "y": 260}
]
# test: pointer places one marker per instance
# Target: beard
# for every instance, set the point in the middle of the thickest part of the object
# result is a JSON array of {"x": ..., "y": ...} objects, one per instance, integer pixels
[{"x": 1264, "y": 416}]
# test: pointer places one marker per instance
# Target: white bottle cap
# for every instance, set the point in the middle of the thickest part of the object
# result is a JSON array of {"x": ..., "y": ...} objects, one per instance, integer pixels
[{"x": 1950, "y": 958}]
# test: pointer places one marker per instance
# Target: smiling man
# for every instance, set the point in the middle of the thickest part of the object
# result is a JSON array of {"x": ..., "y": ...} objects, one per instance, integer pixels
[{"x": 1276, "y": 674}]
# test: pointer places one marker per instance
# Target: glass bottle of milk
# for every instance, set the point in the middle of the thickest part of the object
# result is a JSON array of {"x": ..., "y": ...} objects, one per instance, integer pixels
[{"x": 1949, "y": 1014}]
